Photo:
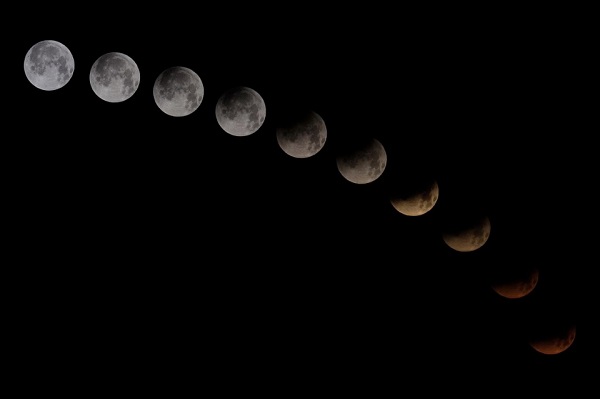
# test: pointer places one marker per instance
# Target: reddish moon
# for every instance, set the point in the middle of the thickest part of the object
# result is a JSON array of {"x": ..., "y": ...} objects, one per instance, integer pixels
[
  {"x": 517, "y": 286},
  {"x": 555, "y": 344}
]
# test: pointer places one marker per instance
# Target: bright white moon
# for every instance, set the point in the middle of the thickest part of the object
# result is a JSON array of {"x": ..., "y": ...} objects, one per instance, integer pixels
[
  {"x": 114, "y": 77},
  {"x": 49, "y": 65}
]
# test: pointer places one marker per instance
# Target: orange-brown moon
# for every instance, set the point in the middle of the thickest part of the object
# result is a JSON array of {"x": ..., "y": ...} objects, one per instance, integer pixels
[
  {"x": 417, "y": 202},
  {"x": 518, "y": 287},
  {"x": 555, "y": 344},
  {"x": 469, "y": 237}
]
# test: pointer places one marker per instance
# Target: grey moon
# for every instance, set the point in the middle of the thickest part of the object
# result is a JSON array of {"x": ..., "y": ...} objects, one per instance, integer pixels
[
  {"x": 469, "y": 238},
  {"x": 240, "y": 111},
  {"x": 417, "y": 203},
  {"x": 304, "y": 138},
  {"x": 178, "y": 91},
  {"x": 555, "y": 344},
  {"x": 114, "y": 77},
  {"x": 363, "y": 165},
  {"x": 49, "y": 65}
]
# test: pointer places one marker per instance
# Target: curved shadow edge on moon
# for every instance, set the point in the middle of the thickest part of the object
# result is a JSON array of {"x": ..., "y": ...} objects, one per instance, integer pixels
[
  {"x": 517, "y": 287},
  {"x": 363, "y": 165},
  {"x": 416, "y": 203},
  {"x": 469, "y": 238},
  {"x": 114, "y": 77},
  {"x": 304, "y": 138},
  {"x": 556, "y": 344},
  {"x": 178, "y": 91},
  {"x": 240, "y": 111},
  {"x": 49, "y": 65}
]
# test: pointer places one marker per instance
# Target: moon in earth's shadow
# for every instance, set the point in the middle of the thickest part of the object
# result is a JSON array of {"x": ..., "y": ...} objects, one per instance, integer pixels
[
  {"x": 178, "y": 91},
  {"x": 516, "y": 284},
  {"x": 468, "y": 234},
  {"x": 415, "y": 198},
  {"x": 240, "y": 111},
  {"x": 49, "y": 65},
  {"x": 363, "y": 162},
  {"x": 555, "y": 342},
  {"x": 304, "y": 137},
  {"x": 114, "y": 77}
]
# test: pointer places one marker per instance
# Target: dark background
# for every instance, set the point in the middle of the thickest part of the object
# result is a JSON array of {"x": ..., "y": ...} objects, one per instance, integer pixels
[{"x": 145, "y": 240}]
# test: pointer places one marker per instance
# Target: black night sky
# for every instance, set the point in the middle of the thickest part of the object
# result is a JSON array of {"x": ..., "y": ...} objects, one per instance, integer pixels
[{"x": 144, "y": 240}]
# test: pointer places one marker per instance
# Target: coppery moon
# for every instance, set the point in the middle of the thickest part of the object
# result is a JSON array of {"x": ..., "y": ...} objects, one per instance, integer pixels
[
  {"x": 517, "y": 285},
  {"x": 467, "y": 235},
  {"x": 416, "y": 200},
  {"x": 554, "y": 344}
]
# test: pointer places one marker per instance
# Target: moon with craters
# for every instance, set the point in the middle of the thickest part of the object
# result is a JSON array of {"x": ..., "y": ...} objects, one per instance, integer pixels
[
  {"x": 415, "y": 198},
  {"x": 516, "y": 284},
  {"x": 363, "y": 162},
  {"x": 49, "y": 65},
  {"x": 468, "y": 234},
  {"x": 114, "y": 77},
  {"x": 304, "y": 137},
  {"x": 554, "y": 342},
  {"x": 178, "y": 91},
  {"x": 240, "y": 111}
]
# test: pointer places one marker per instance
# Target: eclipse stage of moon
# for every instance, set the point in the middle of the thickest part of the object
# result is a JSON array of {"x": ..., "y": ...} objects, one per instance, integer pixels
[
  {"x": 516, "y": 285},
  {"x": 114, "y": 77},
  {"x": 240, "y": 111},
  {"x": 304, "y": 137},
  {"x": 178, "y": 91},
  {"x": 49, "y": 65},
  {"x": 467, "y": 235},
  {"x": 555, "y": 343},
  {"x": 416, "y": 200},
  {"x": 363, "y": 163}
]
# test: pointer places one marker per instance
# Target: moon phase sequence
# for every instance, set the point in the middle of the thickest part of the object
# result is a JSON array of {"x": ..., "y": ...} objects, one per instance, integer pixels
[
  {"x": 303, "y": 138},
  {"x": 49, "y": 65},
  {"x": 364, "y": 163},
  {"x": 178, "y": 91},
  {"x": 114, "y": 77},
  {"x": 240, "y": 111}
]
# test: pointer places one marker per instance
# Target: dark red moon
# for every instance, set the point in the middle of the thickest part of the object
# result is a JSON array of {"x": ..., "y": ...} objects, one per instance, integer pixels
[{"x": 555, "y": 343}]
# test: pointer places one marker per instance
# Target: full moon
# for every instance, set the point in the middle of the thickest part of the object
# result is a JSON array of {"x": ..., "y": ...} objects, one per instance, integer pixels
[
  {"x": 178, "y": 91},
  {"x": 304, "y": 137},
  {"x": 555, "y": 343},
  {"x": 416, "y": 200},
  {"x": 114, "y": 77},
  {"x": 516, "y": 285},
  {"x": 467, "y": 235},
  {"x": 49, "y": 65},
  {"x": 240, "y": 111},
  {"x": 362, "y": 163}
]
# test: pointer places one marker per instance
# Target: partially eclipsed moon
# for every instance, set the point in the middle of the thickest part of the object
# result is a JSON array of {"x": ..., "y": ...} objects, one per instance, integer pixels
[
  {"x": 303, "y": 138},
  {"x": 363, "y": 164},
  {"x": 469, "y": 235},
  {"x": 416, "y": 200},
  {"x": 517, "y": 286},
  {"x": 553, "y": 345},
  {"x": 114, "y": 77},
  {"x": 49, "y": 65},
  {"x": 178, "y": 91},
  {"x": 240, "y": 111}
]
